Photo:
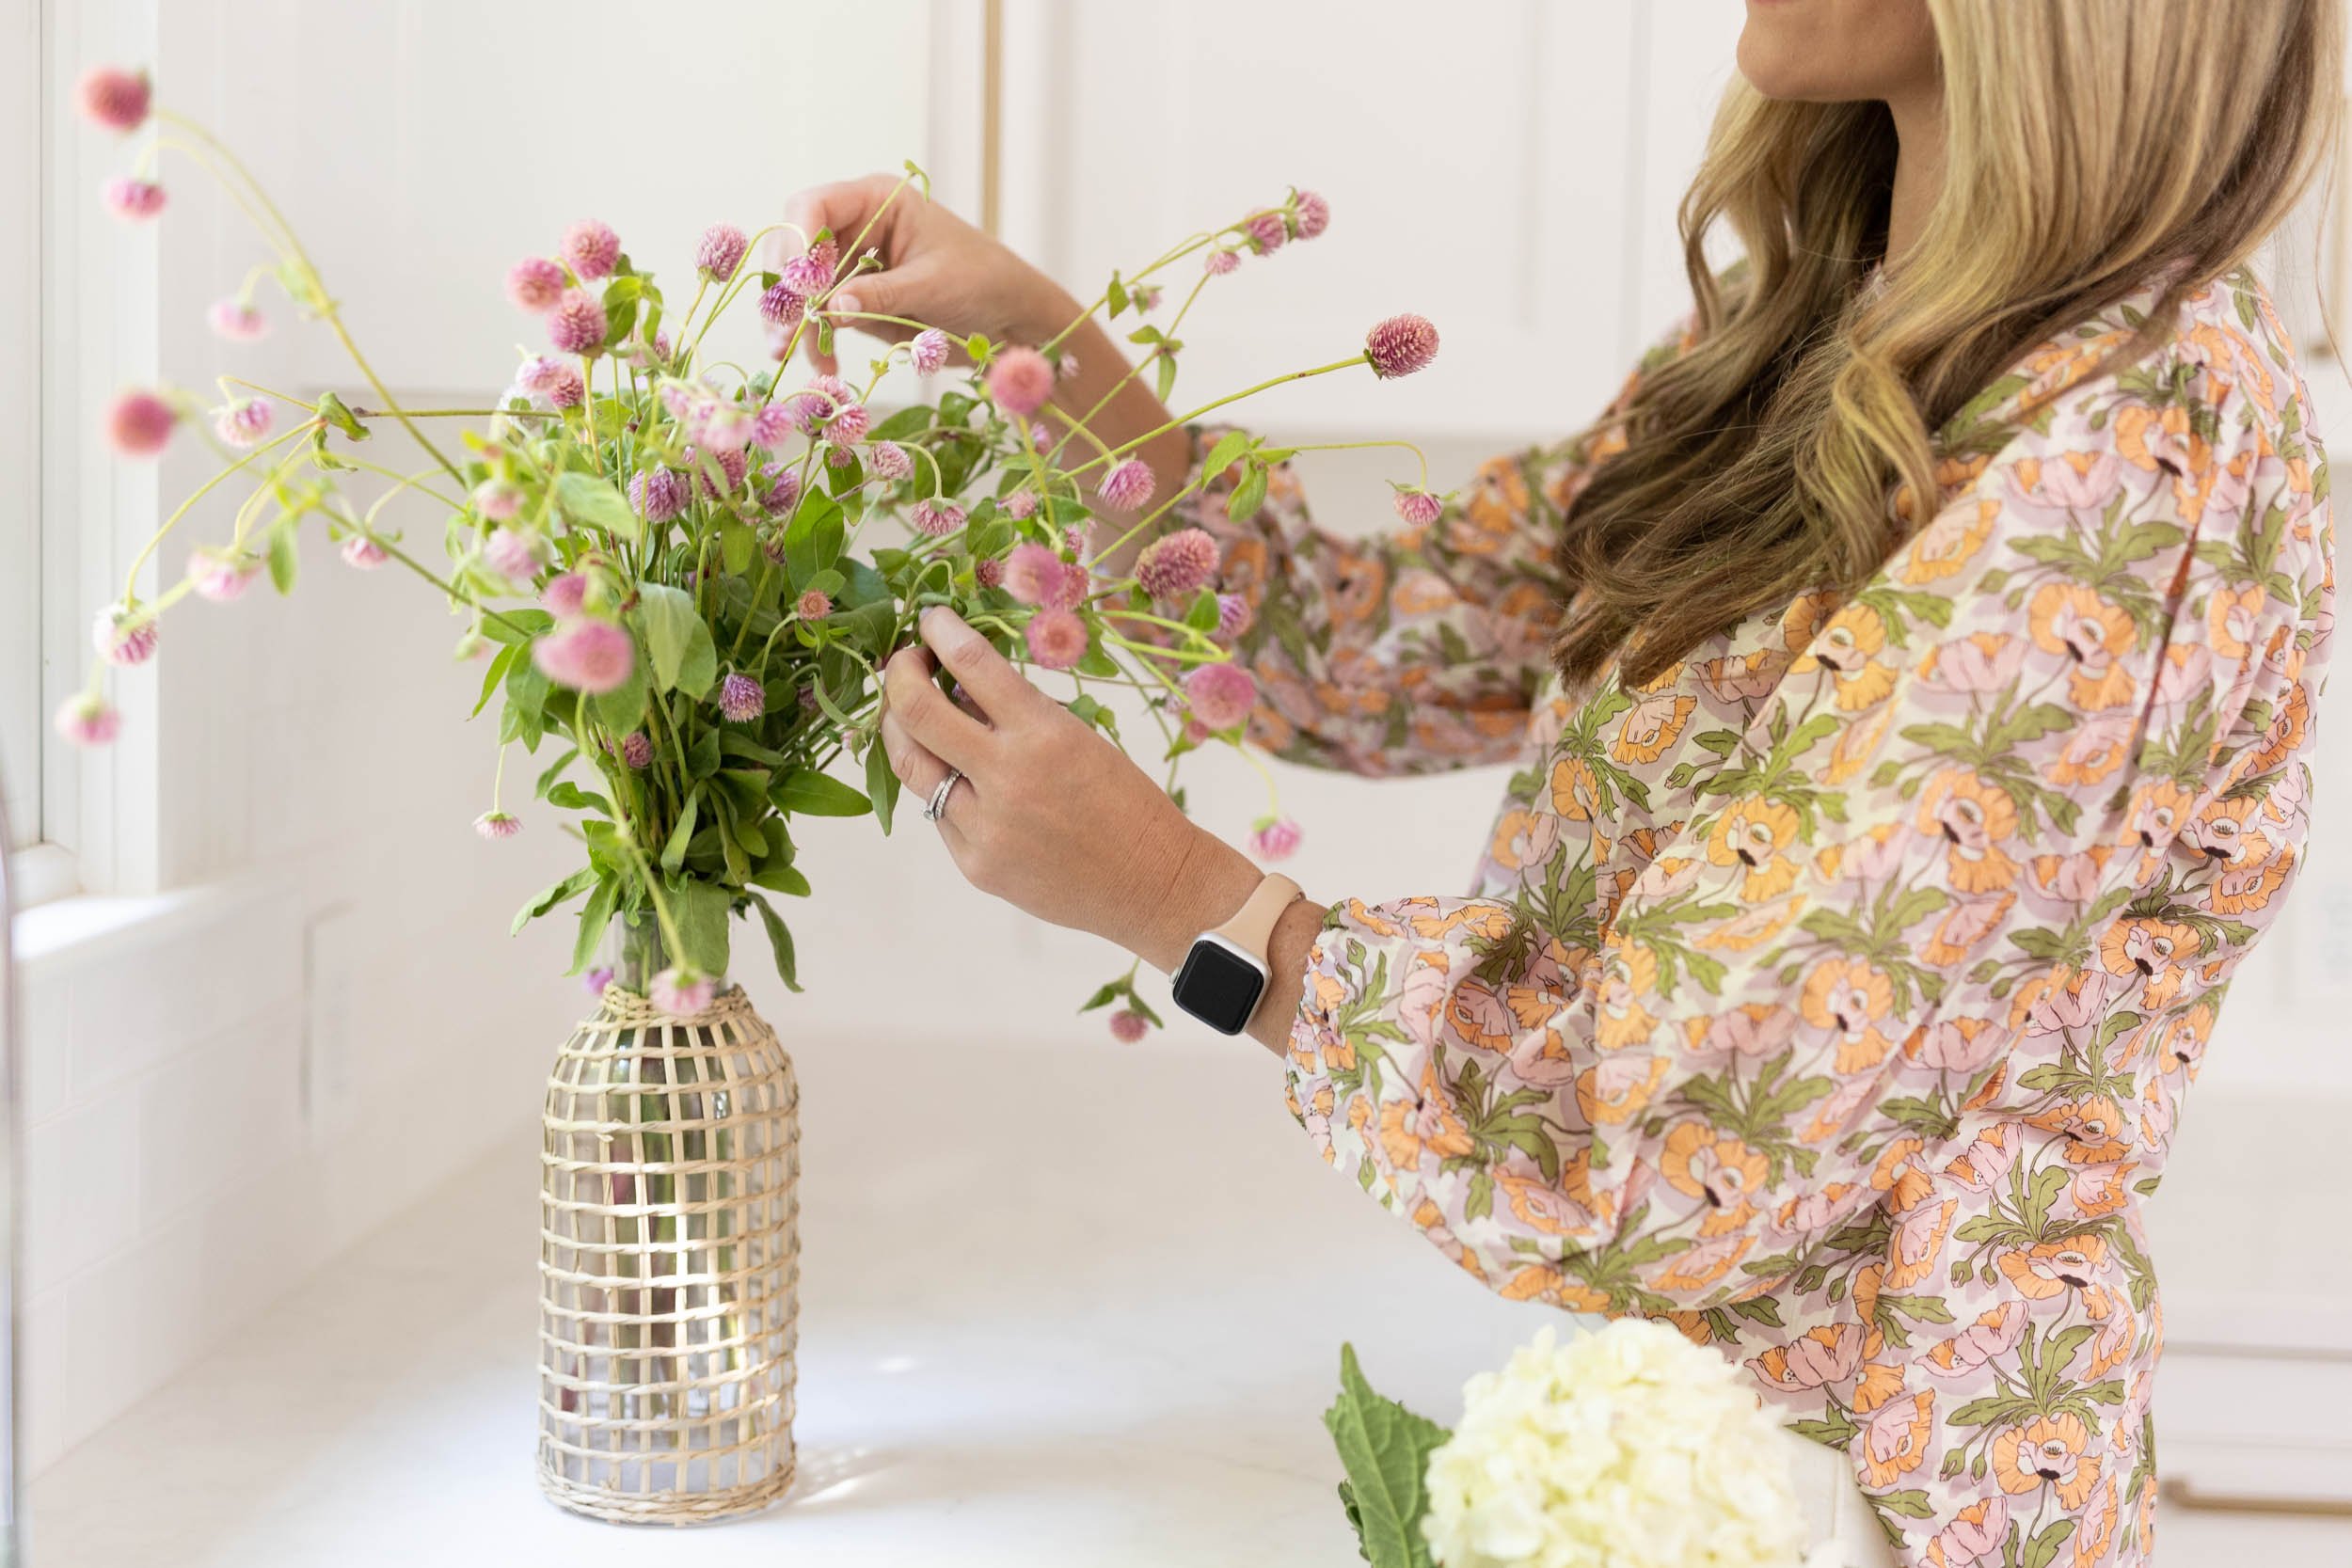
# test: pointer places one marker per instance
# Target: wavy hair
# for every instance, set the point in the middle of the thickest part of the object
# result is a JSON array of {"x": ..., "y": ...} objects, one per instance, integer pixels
[{"x": 2091, "y": 145}]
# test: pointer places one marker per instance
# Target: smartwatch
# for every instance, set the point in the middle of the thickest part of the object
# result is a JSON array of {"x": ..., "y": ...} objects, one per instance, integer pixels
[{"x": 1223, "y": 976}]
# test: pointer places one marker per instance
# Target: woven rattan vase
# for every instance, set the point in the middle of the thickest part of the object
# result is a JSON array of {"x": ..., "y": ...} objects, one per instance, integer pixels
[{"x": 669, "y": 1264}]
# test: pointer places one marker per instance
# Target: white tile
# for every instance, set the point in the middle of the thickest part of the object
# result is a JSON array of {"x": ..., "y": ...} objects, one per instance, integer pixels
[
  {"x": 142, "y": 1002},
  {"x": 226, "y": 1107},
  {"x": 81, "y": 1189},
  {"x": 45, "y": 1049},
  {"x": 43, "y": 1387}
]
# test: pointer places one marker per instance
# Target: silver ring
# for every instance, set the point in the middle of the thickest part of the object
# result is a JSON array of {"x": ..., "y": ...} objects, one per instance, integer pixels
[{"x": 937, "y": 806}]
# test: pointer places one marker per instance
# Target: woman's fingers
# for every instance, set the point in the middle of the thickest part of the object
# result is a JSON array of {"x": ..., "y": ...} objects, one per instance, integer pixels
[
  {"x": 1004, "y": 693},
  {"x": 924, "y": 715},
  {"x": 921, "y": 771}
]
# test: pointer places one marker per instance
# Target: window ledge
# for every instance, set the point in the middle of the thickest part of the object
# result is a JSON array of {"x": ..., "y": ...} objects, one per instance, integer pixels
[{"x": 68, "y": 930}]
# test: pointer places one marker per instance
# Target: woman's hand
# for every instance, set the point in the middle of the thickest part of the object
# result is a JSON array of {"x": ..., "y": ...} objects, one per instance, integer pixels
[
  {"x": 936, "y": 268},
  {"x": 1050, "y": 816}
]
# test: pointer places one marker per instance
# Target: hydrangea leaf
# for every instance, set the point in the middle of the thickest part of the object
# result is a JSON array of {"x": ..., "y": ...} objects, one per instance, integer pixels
[{"x": 1385, "y": 1448}]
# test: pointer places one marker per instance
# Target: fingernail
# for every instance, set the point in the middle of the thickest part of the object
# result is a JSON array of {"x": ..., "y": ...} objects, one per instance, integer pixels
[
  {"x": 945, "y": 630},
  {"x": 846, "y": 302}
]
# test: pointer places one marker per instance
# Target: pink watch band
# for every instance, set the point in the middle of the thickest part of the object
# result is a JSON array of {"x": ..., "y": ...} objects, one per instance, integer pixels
[{"x": 1252, "y": 928}]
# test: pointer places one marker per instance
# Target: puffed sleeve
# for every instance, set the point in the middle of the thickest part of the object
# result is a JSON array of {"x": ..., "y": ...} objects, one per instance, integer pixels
[{"x": 1946, "y": 831}]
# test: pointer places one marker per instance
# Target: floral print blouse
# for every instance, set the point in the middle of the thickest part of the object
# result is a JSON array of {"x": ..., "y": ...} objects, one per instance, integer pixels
[{"x": 1834, "y": 994}]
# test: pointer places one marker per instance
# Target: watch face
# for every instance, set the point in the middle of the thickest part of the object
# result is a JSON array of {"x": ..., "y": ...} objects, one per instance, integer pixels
[{"x": 1218, "y": 986}]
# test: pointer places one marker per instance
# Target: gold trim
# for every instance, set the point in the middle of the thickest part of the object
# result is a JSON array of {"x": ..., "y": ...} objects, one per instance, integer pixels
[{"x": 991, "y": 114}]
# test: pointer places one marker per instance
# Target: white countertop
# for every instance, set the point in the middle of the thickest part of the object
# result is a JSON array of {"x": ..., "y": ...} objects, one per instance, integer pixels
[{"x": 1059, "y": 1306}]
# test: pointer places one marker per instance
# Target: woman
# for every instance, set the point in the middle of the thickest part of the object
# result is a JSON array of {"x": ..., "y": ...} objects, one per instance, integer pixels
[{"x": 1937, "y": 619}]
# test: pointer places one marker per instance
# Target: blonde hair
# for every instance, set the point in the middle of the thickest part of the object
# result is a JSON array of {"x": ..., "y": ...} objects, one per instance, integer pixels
[{"x": 2091, "y": 147}]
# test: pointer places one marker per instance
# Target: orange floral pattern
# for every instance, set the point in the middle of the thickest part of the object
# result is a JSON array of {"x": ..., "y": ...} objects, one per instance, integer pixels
[{"x": 1832, "y": 996}]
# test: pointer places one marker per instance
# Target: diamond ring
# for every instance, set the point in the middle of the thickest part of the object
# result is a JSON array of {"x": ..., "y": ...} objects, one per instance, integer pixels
[{"x": 937, "y": 806}]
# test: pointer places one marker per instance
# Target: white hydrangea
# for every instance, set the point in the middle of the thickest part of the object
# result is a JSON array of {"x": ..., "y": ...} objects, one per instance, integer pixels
[{"x": 1630, "y": 1447}]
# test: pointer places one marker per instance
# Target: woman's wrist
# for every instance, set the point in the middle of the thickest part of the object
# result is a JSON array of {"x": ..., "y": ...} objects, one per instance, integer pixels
[{"x": 1206, "y": 883}]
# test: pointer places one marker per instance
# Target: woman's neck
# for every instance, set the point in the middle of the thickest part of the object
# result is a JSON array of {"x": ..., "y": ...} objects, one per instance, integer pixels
[{"x": 1919, "y": 165}]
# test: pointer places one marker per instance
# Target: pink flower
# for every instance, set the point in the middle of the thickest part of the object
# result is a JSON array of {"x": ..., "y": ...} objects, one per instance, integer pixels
[
  {"x": 1020, "y": 380},
  {"x": 889, "y": 460},
  {"x": 1232, "y": 616},
  {"x": 732, "y": 466},
  {"x": 1274, "y": 839},
  {"x": 771, "y": 425},
  {"x": 936, "y": 518},
  {"x": 115, "y": 99},
  {"x": 1220, "y": 262},
  {"x": 498, "y": 499},
  {"x": 927, "y": 353},
  {"x": 1401, "y": 345},
  {"x": 497, "y": 824},
  {"x": 596, "y": 979},
  {"x": 741, "y": 700},
  {"x": 813, "y": 605},
  {"x": 848, "y": 427},
  {"x": 1146, "y": 296},
  {"x": 818, "y": 402},
  {"x": 1129, "y": 1027},
  {"x": 592, "y": 249},
  {"x": 585, "y": 655},
  {"x": 637, "y": 751},
  {"x": 726, "y": 427},
  {"x": 1267, "y": 232},
  {"x": 1035, "y": 574},
  {"x": 1314, "y": 214},
  {"x": 513, "y": 556},
  {"x": 243, "y": 422},
  {"x": 576, "y": 323},
  {"x": 87, "y": 718},
  {"x": 1417, "y": 507},
  {"x": 681, "y": 991},
  {"x": 784, "y": 486},
  {"x": 1829, "y": 1355},
  {"x": 721, "y": 252},
  {"x": 123, "y": 637},
  {"x": 556, "y": 380},
  {"x": 219, "y": 575},
  {"x": 1221, "y": 695},
  {"x": 657, "y": 494},
  {"x": 1975, "y": 1534},
  {"x": 236, "y": 320},
  {"x": 139, "y": 423},
  {"x": 1128, "y": 485},
  {"x": 364, "y": 553},
  {"x": 1177, "y": 565},
  {"x": 989, "y": 573},
  {"x": 534, "y": 282},
  {"x": 136, "y": 200},
  {"x": 781, "y": 305},
  {"x": 1020, "y": 505},
  {"x": 1057, "y": 639},
  {"x": 810, "y": 274}
]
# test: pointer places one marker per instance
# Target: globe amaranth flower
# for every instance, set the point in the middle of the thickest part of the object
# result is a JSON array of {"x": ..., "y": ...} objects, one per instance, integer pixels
[
  {"x": 243, "y": 422},
  {"x": 1220, "y": 695},
  {"x": 725, "y": 427},
  {"x": 497, "y": 824},
  {"x": 534, "y": 282},
  {"x": 770, "y": 426},
  {"x": 1020, "y": 505},
  {"x": 740, "y": 699},
  {"x": 139, "y": 423},
  {"x": 1056, "y": 638},
  {"x": 637, "y": 751},
  {"x": 1232, "y": 616},
  {"x": 556, "y": 380},
  {"x": 928, "y": 353},
  {"x": 720, "y": 252},
  {"x": 1020, "y": 380},
  {"x": 682, "y": 990},
  {"x": 659, "y": 495},
  {"x": 849, "y": 426},
  {"x": 364, "y": 553},
  {"x": 1037, "y": 575},
  {"x": 87, "y": 718},
  {"x": 1417, "y": 507},
  {"x": 1146, "y": 297},
  {"x": 1128, "y": 485},
  {"x": 565, "y": 594},
  {"x": 576, "y": 323},
  {"x": 1274, "y": 839},
  {"x": 1267, "y": 232},
  {"x": 511, "y": 555},
  {"x": 123, "y": 637},
  {"x": 596, "y": 979},
  {"x": 823, "y": 399},
  {"x": 806, "y": 276},
  {"x": 1177, "y": 565},
  {"x": 1220, "y": 262},
  {"x": 1401, "y": 345},
  {"x": 114, "y": 98},
  {"x": 585, "y": 655},
  {"x": 236, "y": 320},
  {"x": 784, "y": 486},
  {"x": 937, "y": 518},
  {"x": 1312, "y": 214},
  {"x": 498, "y": 499},
  {"x": 781, "y": 305},
  {"x": 590, "y": 250},
  {"x": 220, "y": 575},
  {"x": 989, "y": 572},
  {"x": 889, "y": 460},
  {"x": 135, "y": 200},
  {"x": 813, "y": 605},
  {"x": 732, "y": 466},
  {"x": 1129, "y": 1027}
]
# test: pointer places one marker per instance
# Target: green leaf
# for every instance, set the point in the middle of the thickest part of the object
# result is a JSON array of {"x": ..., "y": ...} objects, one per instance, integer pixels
[
  {"x": 514, "y": 626},
  {"x": 1248, "y": 495},
  {"x": 499, "y": 662},
  {"x": 331, "y": 410},
  {"x": 553, "y": 771},
  {"x": 806, "y": 792},
  {"x": 684, "y": 657},
  {"x": 594, "y": 918},
  {"x": 699, "y": 910},
  {"x": 1229, "y": 446},
  {"x": 1385, "y": 1448},
  {"x": 780, "y": 942},
  {"x": 674, "y": 848},
  {"x": 621, "y": 708},
  {"x": 553, "y": 894},
  {"x": 882, "y": 784},
  {"x": 283, "y": 561},
  {"x": 585, "y": 499}
]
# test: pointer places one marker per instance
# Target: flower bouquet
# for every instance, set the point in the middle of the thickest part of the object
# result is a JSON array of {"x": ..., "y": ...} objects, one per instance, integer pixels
[{"x": 683, "y": 579}]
